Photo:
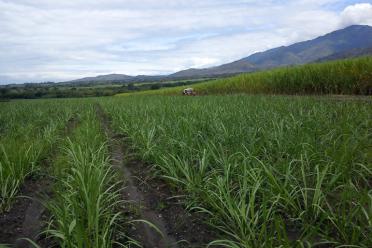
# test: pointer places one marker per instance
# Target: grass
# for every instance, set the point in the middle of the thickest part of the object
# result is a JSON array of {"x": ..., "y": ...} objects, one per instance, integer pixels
[
  {"x": 27, "y": 133},
  {"x": 85, "y": 209},
  {"x": 269, "y": 171},
  {"x": 347, "y": 77}
]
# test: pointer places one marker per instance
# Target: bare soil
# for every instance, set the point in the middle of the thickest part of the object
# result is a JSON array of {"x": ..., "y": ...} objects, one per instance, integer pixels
[
  {"x": 23, "y": 219},
  {"x": 187, "y": 227},
  {"x": 151, "y": 199}
]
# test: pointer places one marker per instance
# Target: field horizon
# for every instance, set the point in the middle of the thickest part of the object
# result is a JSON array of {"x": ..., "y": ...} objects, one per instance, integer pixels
[{"x": 343, "y": 77}]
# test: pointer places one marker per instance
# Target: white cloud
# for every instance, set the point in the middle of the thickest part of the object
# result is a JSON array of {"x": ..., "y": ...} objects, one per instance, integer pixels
[
  {"x": 61, "y": 40},
  {"x": 357, "y": 14}
]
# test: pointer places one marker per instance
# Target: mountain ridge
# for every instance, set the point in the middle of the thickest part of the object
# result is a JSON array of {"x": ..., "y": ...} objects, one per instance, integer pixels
[{"x": 355, "y": 40}]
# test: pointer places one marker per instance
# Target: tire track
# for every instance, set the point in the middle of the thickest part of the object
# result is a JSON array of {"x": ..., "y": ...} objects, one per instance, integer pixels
[{"x": 146, "y": 235}]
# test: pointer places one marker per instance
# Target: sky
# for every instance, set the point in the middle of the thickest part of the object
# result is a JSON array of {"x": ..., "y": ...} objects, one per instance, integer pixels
[{"x": 52, "y": 40}]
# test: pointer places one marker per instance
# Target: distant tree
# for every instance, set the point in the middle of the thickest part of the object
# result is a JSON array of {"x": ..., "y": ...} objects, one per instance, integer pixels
[
  {"x": 155, "y": 86},
  {"x": 39, "y": 94},
  {"x": 98, "y": 93},
  {"x": 131, "y": 86},
  {"x": 3, "y": 91}
]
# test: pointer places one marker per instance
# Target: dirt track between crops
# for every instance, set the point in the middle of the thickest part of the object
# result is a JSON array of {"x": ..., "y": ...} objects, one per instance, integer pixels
[
  {"x": 24, "y": 218},
  {"x": 27, "y": 216},
  {"x": 151, "y": 199}
]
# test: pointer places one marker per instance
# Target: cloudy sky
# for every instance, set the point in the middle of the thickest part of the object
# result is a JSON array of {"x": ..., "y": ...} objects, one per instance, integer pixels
[{"x": 56, "y": 40}]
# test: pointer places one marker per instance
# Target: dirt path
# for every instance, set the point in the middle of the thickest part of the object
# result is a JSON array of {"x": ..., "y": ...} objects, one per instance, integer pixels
[
  {"x": 152, "y": 200},
  {"x": 27, "y": 216},
  {"x": 23, "y": 219},
  {"x": 148, "y": 236}
]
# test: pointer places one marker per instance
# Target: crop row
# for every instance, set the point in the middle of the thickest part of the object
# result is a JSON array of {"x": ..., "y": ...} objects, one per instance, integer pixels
[
  {"x": 85, "y": 209},
  {"x": 27, "y": 133},
  {"x": 269, "y": 171}
]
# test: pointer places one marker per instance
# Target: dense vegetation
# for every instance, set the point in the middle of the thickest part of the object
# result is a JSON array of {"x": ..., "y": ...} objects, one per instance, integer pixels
[
  {"x": 86, "y": 89},
  {"x": 33, "y": 91},
  {"x": 350, "y": 76},
  {"x": 270, "y": 171},
  {"x": 27, "y": 132}
]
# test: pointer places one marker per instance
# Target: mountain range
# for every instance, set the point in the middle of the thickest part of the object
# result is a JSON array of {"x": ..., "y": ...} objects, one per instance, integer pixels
[{"x": 349, "y": 42}]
